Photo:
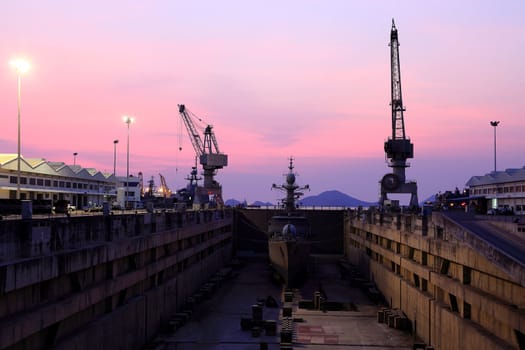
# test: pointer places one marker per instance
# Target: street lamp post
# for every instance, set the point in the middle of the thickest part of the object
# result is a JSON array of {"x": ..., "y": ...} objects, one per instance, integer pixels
[
  {"x": 128, "y": 120},
  {"x": 75, "y": 158},
  {"x": 21, "y": 66},
  {"x": 115, "y": 166},
  {"x": 115, "y": 157},
  {"x": 494, "y": 124}
]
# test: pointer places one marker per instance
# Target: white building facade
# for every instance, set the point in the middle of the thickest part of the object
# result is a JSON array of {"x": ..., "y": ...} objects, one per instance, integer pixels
[
  {"x": 44, "y": 180},
  {"x": 504, "y": 190}
]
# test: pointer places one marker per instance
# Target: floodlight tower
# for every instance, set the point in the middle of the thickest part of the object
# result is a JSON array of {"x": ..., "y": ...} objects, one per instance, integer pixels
[{"x": 398, "y": 147}]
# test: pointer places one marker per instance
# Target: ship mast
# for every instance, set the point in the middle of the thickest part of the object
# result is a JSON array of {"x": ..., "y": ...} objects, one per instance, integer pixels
[
  {"x": 398, "y": 147},
  {"x": 291, "y": 189}
]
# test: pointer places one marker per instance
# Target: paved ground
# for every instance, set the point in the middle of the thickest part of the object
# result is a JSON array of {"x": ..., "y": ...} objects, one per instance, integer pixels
[{"x": 216, "y": 323}]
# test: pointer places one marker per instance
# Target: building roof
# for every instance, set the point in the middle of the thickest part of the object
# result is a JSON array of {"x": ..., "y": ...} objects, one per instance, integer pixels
[
  {"x": 42, "y": 166},
  {"x": 498, "y": 177}
]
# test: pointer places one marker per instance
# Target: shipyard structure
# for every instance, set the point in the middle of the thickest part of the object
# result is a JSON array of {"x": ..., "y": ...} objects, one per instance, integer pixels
[
  {"x": 456, "y": 279},
  {"x": 104, "y": 281},
  {"x": 452, "y": 277},
  {"x": 459, "y": 277}
]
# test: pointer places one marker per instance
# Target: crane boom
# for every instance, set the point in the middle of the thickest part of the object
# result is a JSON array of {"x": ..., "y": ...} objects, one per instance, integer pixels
[
  {"x": 398, "y": 123},
  {"x": 207, "y": 150},
  {"x": 166, "y": 192},
  {"x": 192, "y": 131},
  {"x": 398, "y": 148}
]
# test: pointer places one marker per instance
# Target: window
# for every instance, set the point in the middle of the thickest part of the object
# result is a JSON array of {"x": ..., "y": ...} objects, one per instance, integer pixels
[
  {"x": 445, "y": 264},
  {"x": 47, "y": 183},
  {"x": 23, "y": 180},
  {"x": 439, "y": 232},
  {"x": 12, "y": 180},
  {"x": 453, "y": 302},
  {"x": 411, "y": 253},
  {"x": 32, "y": 181},
  {"x": 466, "y": 310},
  {"x": 40, "y": 182},
  {"x": 416, "y": 280},
  {"x": 466, "y": 274}
]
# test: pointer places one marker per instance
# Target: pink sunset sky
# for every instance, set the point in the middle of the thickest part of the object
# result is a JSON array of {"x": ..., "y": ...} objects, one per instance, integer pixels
[{"x": 276, "y": 78}]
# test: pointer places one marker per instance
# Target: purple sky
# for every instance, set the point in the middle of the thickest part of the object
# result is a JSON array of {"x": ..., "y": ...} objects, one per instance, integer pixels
[{"x": 276, "y": 78}]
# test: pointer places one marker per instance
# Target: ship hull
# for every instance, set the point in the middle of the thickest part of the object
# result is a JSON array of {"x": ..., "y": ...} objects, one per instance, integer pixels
[{"x": 289, "y": 258}]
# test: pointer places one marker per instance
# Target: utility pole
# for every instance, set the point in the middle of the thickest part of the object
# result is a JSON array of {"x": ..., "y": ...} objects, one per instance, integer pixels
[{"x": 495, "y": 125}]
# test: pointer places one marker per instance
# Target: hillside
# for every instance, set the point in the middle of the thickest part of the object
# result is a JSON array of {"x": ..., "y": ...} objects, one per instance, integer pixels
[
  {"x": 334, "y": 199},
  {"x": 327, "y": 199}
]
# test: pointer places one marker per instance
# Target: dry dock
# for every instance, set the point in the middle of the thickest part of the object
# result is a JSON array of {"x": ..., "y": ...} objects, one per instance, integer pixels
[{"x": 215, "y": 323}]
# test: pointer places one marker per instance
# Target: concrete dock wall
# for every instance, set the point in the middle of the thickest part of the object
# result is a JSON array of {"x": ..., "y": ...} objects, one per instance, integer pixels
[
  {"x": 457, "y": 292},
  {"x": 104, "y": 282}
]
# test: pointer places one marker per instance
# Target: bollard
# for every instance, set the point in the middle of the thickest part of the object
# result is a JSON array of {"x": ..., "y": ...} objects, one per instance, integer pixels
[
  {"x": 27, "y": 209},
  {"x": 257, "y": 312}
]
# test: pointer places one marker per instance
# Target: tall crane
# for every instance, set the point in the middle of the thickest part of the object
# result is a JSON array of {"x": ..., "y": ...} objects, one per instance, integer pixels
[
  {"x": 207, "y": 150},
  {"x": 164, "y": 189},
  {"x": 398, "y": 147}
]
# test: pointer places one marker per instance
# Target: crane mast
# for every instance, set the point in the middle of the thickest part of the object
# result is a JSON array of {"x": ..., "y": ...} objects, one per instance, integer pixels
[
  {"x": 398, "y": 147},
  {"x": 211, "y": 159},
  {"x": 398, "y": 123}
]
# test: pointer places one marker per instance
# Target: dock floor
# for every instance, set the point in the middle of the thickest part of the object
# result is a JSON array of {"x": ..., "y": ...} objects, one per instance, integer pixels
[{"x": 216, "y": 323}]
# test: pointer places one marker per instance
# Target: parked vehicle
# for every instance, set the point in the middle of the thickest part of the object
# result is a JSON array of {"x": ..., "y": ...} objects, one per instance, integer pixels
[
  {"x": 116, "y": 206},
  {"x": 63, "y": 206},
  {"x": 92, "y": 208}
]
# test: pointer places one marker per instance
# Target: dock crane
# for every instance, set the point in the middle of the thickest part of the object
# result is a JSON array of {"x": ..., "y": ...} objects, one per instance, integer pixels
[
  {"x": 211, "y": 159},
  {"x": 164, "y": 189},
  {"x": 398, "y": 147}
]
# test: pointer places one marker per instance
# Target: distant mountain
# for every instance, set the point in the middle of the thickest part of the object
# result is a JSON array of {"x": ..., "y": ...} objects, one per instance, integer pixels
[
  {"x": 334, "y": 199},
  {"x": 262, "y": 204},
  {"x": 327, "y": 199},
  {"x": 233, "y": 202}
]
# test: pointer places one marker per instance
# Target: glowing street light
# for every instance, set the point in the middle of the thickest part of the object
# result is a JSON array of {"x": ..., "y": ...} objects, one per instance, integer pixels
[
  {"x": 128, "y": 120},
  {"x": 494, "y": 124},
  {"x": 21, "y": 66}
]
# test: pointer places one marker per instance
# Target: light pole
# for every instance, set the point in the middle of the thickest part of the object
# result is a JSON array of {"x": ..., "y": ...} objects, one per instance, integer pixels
[
  {"x": 115, "y": 166},
  {"x": 115, "y": 157},
  {"x": 21, "y": 66},
  {"x": 494, "y": 124},
  {"x": 128, "y": 120},
  {"x": 75, "y": 158}
]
